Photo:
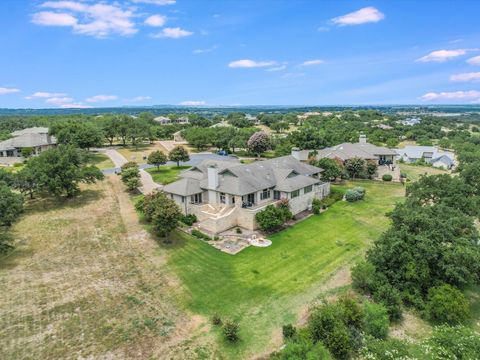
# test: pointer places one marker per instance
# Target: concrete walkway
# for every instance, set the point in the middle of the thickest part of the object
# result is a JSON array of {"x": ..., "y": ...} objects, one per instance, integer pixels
[{"x": 148, "y": 185}]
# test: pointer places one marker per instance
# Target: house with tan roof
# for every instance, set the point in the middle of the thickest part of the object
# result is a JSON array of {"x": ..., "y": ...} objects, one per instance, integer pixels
[{"x": 225, "y": 194}]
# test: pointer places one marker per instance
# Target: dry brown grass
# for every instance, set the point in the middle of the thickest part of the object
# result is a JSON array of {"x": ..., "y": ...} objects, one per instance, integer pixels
[{"x": 86, "y": 280}]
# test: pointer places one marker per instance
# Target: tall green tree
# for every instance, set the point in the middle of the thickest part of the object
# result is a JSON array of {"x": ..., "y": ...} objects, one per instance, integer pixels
[
  {"x": 11, "y": 205},
  {"x": 60, "y": 170},
  {"x": 178, "y": 154},
  {"x": 162, "y": 212},
  {"x": 157, "y": 158}
]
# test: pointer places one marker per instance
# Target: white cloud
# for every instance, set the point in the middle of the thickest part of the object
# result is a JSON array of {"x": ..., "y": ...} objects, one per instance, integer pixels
[
  {"x": 466, "y": 77},
  {"x": 101, "y": 98},
  {"x": 442, "y": 55},
  {"x": 98, "y": 19},
  {"x": 362, "y": 16},
  {"x": 156, "y": 2},
  {"x": 312, "y": 62},
  {"x": 193, "y": 103},
  {"x": 48, "y": 18},
  {"x": 293, "y": 75},
  {"x": 172, "y": 33},
  {"x": 455, "y": 96},
  {"x": 58, "y": 101},
  {"x": 75, "y": 105},
  {"x": 138, "y": 99},
  {"x": 246, "y": 63},
  {"x": 323, "y": 29},
  {"x": 5, "y": 91},
  {"x": 44, "y": 95},
  {"x": 156, "y": 20},
  {"x": 277, "y": 68},
  {"x": 474, "y": 60},
  {"x": 207, "y": 50}
]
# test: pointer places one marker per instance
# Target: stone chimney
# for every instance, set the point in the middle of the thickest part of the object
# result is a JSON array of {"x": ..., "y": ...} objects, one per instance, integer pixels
[
  {"x": 362, "y": 139},
  {"x": 212, "y": 176},
  {"x": 296, "y": 153}
]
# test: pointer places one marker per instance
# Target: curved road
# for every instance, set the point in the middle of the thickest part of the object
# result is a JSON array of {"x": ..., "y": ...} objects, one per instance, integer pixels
[{"x": 148, "y": 185}]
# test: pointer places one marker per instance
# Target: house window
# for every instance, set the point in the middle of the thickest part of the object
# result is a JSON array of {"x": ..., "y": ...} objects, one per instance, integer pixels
[
  {"x": 196, "y": 199},
  {"x": 183, "y": 199},
  {"x": 265, "y": 194},
  {"x": 222, "y": 198},
  {"x": 276, "y": 195},
  {"x": 295, "y": 194},
  {"x": 307, "y": 189}
]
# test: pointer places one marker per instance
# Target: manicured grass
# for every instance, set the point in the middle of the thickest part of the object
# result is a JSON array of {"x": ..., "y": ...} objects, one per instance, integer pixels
[
  {"x": 264, "y": 288},
  {"x": 414, "y": 172},
  {"x": 100, "y": 160},
  {"x": 166, "y": 174}
]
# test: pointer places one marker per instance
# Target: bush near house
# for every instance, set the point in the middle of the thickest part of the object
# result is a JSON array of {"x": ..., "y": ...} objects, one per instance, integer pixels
[
  {"x": 200, "y": 235},
  {"x": 355, "y": 194},
  {"x": 387, "y": 177},
  {"x": 189, "y": 219},
  {"x": 272, "y": 218}
]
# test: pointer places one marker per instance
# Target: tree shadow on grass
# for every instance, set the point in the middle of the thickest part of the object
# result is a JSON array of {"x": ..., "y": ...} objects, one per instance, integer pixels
[{"x": 45, "y": 204}]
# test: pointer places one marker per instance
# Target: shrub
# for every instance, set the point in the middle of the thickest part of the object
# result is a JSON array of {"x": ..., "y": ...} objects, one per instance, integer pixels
[
  {"x": 446, "y": 304},
  {"x": 376, "y": 320},
  {"x": 129, "y": 164},
  {"x": 230, "y": 331},
  {"x": 189, "y": 219},
  {"x": 302, "y": 349},
  {"x": 457, "y": 342},
  {"x": 11, "y": 205},
  {"x": 316, "y": 206},
  {"x": 360, "y": 190},
  {"x": 216, "y": 320},
  {"x": 363, "y": 277},
  {"x": 200, "y": 235},
  {"x": 353, "y": 195},
  {"x": 273, "y": 217},
  {"x": 387, "y": 177},
  {"x": 326, "y": 325},
  {"x": 390, "y": 297},
  {"x": 288, "y": 331}
]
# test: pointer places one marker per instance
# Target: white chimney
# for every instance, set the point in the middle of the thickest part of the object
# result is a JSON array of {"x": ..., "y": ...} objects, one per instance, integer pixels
[
  {"x": 296, "y": 153},
  {"x": 212, "y": 176},
  {"x": 362, "y": 139}
]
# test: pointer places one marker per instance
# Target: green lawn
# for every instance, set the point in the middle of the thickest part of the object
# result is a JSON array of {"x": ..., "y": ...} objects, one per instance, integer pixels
[
  {"x": 264, "y": 288},
  {"x": 414, "y": 172},
  {"x": 100, "y": 160},
  {"x": 166, "y": 174}
]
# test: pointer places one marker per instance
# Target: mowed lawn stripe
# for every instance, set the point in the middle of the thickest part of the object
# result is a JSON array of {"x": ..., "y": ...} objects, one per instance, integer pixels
[{"x": 263, "y": 288}]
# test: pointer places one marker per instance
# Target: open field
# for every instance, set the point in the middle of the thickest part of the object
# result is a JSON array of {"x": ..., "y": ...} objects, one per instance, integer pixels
[
  {"x": 266, "y": 288},
  {"x": 414, "y": 172},
  {"x": 87, "y": 281},
  {"x": 140, "y": 152},
  {"x": 166, "y": 174},
  {"x": 101, "y": 161}
]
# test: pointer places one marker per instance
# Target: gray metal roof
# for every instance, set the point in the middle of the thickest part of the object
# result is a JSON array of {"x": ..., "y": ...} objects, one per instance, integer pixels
[
  {"x": 184, "y": 187},
  {"x": 32, "y": 130},
  {"x": 27, "y": 140},
  {"x": 238, "y": 179}
]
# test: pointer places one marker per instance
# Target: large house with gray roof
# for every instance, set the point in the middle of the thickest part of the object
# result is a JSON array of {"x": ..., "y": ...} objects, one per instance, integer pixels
[
  {"x": 225, "y": 194},
  {"x": 36, "y": 138},
  {"x": 429, "y": 154},
  {"x": 346, "y": 151}
]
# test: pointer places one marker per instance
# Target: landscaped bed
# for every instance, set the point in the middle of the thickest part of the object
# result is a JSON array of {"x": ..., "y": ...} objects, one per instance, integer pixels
[{"x": 264, "y": 288}]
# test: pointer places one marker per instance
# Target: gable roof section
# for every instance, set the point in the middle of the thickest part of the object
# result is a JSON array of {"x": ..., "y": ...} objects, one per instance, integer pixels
[
  {"x": 184, "y": 187},
  {"x": 27, "y": 140}
]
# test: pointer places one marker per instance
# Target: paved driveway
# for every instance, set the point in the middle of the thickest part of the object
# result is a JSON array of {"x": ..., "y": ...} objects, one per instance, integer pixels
[{"x": 195, "y": 159}]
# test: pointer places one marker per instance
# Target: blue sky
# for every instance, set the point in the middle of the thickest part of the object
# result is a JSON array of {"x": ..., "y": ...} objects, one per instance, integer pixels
[{"x": 95, "y": 53}]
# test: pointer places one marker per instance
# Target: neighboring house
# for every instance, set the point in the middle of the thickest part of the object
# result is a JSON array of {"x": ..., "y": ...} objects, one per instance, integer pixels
[
  {"x": 346, "y": 151},
  {"x": 384, "y": 127},
  {"x": 251, "y": 118},
  {"x": 225, "y": 194},
  {"x": 167, "y": 121},
  {"x": 429, "y": 154},
  {"x": 36, "y": 138},
  {"x": 411, "y": 121}
]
